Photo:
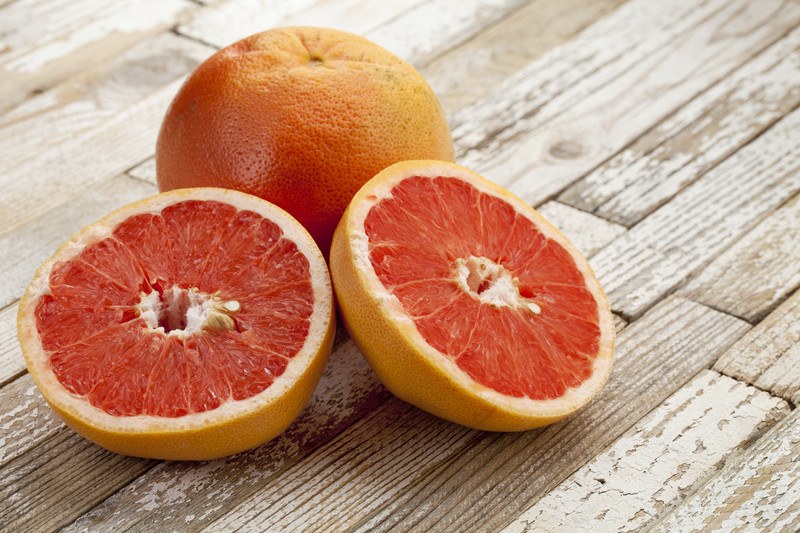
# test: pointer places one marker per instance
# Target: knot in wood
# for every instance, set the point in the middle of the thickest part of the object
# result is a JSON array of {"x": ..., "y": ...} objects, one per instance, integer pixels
[{"x": 566, "y": 149}]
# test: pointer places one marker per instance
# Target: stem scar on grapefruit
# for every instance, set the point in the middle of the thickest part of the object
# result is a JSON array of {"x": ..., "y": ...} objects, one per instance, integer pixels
[
  {"x": 192, "y": 324},
  {"x": 301, "y": 117},
  {"x": 466, "y": 302}
]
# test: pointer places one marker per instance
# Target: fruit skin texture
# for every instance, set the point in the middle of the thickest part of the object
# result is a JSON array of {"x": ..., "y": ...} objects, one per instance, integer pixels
[
  {"x": 301, "y": 117},
  {"x": 195, "y": 442},
  {"x": 392, "y": 347}
]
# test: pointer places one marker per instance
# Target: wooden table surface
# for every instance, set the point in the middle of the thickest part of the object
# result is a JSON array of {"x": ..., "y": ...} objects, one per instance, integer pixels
[{"x": 662, "y": 136}]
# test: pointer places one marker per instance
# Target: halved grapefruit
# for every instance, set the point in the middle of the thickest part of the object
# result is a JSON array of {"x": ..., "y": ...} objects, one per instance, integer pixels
[
  {"x": 466, "y": 302},
  {"x": 190, "y": 325}
]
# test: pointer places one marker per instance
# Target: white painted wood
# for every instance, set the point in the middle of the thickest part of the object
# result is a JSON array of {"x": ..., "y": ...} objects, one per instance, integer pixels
[
  {"x": 704, "y": 132},
  {"x": 596, "y": 128},
  {"x": 751, "y": 277},
  {"x": 56, "y": 176},
  {"x": 384, "y": 459},
  {"x": 85, "y": 101},
  {"x": 227, "y": 22},
  {"x": 45, "y": 41},
  {"x": 572, "y": 72},
  {"x": 50, "y": 475},
  {"x": 666, "y": 457},
  {"x": 26, "y": 248},
  {"x": 500, "y": 476},
  {"x": 769, "y": 355},
  {"x": 649, "y": 260},
  {"x": 586, "y": 231},
  {"x": 188, "y": 495},
  {"x": 145, "y": 171},
  {"x": 424, "y": 32},
  {"x": 473, "y": 70},
  {"x": 25, "y": 419},
  {"x": 758, "y": 490},
  {"x": 11, "y": 362},
  {"x": 416, "y": 31}
]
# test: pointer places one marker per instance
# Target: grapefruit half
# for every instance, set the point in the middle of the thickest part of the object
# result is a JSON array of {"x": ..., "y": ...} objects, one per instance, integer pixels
[
  {"x": 190, "y": 325},
  {"x": 466, "y": 302}
]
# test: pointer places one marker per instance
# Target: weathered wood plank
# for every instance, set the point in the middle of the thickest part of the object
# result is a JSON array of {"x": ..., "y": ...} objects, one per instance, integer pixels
[
  {"x": 11, "y": 362},
  {"x": 769, "y": 355},
  {"x": 417, "y": 31},
  {"x": 586, "y": 231},
  {"x": 61, "y": 480},
  {"x": 55, "y": 177},
  {"x": 757, "y": 491},
  {"x": 702, "y": 220},
  {"x": 473, "y": 69},
  {"x": 755, "y": 274},
  {"x": 665, "y": 458},
  {"x": 227, "y": 22},
  {"x": 707, "y": 130},
  {"x": 27, "y": 247},
  {"x": 25, "y": 419},
  {"x": 83, "y": 102},
  {"x": 572, "y": 72},
  {"x": 419, "y": 36},
  {"x": 451, "y": 478},
  {"x": 538, "y": 145},
  {"x": 180, "y": 495},
  {"x": 145, "y": 171},
  {"x": 67, "y": 37}
]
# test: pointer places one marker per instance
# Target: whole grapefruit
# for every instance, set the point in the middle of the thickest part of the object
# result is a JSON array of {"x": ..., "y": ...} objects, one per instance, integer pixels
[{"x": 302, "y": 117}]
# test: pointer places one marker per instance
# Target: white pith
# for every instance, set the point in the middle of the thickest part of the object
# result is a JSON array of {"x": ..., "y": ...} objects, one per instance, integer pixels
[
  {"x": 38, "y": 360},
  {"x": 379, "y": 189},
  {"x": 502, "y": 290},
  {"x": 204, "y": 310}
]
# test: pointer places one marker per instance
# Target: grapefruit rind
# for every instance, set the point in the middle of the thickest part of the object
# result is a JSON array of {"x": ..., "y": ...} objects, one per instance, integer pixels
[
  {"x": 401, "y": 357},
  {"x": 236, "y": 425}
]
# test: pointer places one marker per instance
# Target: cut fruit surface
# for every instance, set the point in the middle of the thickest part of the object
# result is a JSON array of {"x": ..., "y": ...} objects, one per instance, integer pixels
[
  {"x": 466, "y": 302},
  {"x": 189, "y": 325}
]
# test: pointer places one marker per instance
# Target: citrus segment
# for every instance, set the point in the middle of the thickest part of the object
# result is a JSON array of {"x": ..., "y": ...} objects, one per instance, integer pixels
[
  {"x": 493, "y": 309},
  {"x": 180, "y": 313}
]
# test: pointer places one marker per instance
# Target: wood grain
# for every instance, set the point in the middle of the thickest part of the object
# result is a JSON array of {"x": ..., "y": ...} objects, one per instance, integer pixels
[
  {"x": 645, "y": 175},
  {"x": 85, "y": 101},
  {"x": 666, "y": 457},
  {"x": 11, "y": 363},
  {"x": 556, "y": 138},
  {"x": 769, "y": 355},
  {"x": 35, "y": 241},
  {"x": 25, "y": 419},
  {"x": 588, "y": 232},
  {"x": 473, "y": 69},
  {"x": 145, "y": 171},
  {"x": 408, "y": 470},
  {"x": 756, "y": 491},
  {"x": 653, "y": 257},
  {"x": 755, "y": 274},
  {"x": 176, "y": 496},
  {"x": 60, "y": 481},
  {"x": 570, "y": 73},
  {"x": 55, "y": 177},
  {"x": 69, "y": 36},
  {"x": 416, "y": 31}
]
